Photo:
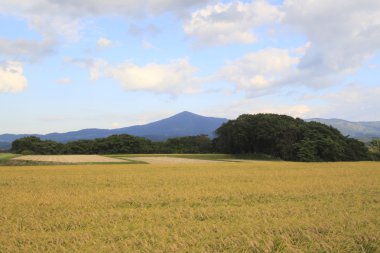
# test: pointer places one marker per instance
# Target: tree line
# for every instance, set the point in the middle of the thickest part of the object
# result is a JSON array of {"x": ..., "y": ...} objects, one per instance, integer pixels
[
  {"x": 278, "y": 136},
  {"x": 115, "y": 144}
]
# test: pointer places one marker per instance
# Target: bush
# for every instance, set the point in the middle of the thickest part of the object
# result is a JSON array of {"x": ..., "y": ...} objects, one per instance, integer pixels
[{"x": 27, "y": 152}]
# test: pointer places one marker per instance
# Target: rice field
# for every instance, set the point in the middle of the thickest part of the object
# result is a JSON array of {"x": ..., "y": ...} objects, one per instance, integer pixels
[{"x": 201, "y": 207}]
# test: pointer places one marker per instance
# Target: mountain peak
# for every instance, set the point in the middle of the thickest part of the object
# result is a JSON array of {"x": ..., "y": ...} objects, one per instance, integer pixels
[{"x": 186, "y": 113}]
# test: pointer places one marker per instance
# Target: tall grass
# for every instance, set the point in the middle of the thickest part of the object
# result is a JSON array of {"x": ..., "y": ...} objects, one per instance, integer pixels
[{"x": 231, "y": 207}]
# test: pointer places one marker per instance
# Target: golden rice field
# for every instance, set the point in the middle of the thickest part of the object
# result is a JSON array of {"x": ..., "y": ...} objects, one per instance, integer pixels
[{"x": 202, "y": 207}]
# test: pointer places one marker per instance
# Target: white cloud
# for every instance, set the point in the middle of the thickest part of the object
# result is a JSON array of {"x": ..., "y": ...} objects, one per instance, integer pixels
[
  {"x": 260, "y": 71},
  {"x": 116, "y": 125},
  {"x": 26, "y": 49},
  {"x": 11, "y": 77},
  {"x": 64, "y": 81},
  {"x": 176, "y": 77},
  {"x": 96, "y": 67},
  {"x": 75, "y": 9},
  {"x": 58, "y": 21},
  {"x": 372, "y": 66},
  {"x": 353, "y": 101},
  {"x": 261, "y": 105},
  {"x": 343, "y": 35},
  {"x": 225, "y": 23},
  {"x": 55, "y": 26},
  {"x": 147, "y": 45},
  {"x": 104, "y": 43}
]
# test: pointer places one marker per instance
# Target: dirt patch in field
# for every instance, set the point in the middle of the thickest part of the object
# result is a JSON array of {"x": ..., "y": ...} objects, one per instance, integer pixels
[
  {"x": 170, "y": 160},
  {"x": 69, "y": 159}
]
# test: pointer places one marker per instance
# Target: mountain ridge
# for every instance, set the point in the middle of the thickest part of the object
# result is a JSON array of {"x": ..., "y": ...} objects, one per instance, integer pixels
[{"x": 362, "y": 130}]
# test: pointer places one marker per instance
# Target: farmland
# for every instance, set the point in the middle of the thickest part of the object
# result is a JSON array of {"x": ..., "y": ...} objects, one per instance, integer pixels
[
  {"x": 256, "y": 206},
  {"x": 69, "y": 159}
]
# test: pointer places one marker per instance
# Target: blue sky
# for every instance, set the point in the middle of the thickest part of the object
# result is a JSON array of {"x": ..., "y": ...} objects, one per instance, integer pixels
[{"x": 68, "y": 65}]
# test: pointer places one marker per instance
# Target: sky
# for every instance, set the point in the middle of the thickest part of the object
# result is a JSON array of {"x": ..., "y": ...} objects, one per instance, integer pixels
[{"x": 67, "y": 65}]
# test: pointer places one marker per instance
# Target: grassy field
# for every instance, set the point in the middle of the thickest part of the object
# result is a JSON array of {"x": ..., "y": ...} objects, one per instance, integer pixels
[
  {"x": 6, "y": 156},
  {"x": 221, "y": 207}
]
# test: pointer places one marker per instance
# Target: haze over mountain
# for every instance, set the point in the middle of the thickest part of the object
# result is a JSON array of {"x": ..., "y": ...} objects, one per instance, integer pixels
[
  {"x": 188, "y": 124},
  {"x": 364, "y": 130}
]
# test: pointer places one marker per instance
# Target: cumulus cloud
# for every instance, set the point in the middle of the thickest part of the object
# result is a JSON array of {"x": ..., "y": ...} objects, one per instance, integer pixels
[
  {"x": 262, "y": 105},
  {"x": 104, "y": 43},
  {"x": 225, "y": 23},
  {"x": 116, "y": 125},
  {"x": 64, "y": 81},
  {"x": 260, "y": 71},
  {"x": 96, "y": 67},
  {"x": 57, "y": 20},
  {"x": 342, "y": 35},
  {"x": 173, "y": 78},
  {"x": 11, "y": 77},
  {"x": 26, "y": 49},
  {"x": 372, "y": 66},
  {"x": 353, "y": 101},
  {"x": 78, "y": 9},
  {"x": 147, "y": 45}
]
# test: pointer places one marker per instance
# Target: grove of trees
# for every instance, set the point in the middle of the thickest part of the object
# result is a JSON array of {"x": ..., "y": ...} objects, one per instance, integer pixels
[
  {"x": 374, "y": 149},
  {"x": 287, "y": 138}
]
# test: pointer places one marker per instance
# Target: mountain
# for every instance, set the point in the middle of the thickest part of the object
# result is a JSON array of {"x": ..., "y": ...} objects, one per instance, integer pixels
[
  {"x": 182, "y": 124},
  {"x": 365, "y": 130}
]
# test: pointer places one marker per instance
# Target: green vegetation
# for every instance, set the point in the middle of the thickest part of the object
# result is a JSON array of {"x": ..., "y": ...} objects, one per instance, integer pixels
[
  {"x": 212, "y": 157},
  {"x": 4, "y": 157},
  {"x": 214, "y": 207},
  {"x": 6, "y": 160},
  {"x": 116, "y": 144},
  {"x": 34, "y": 145},
  {"x": 185, "y": 145},
  {"x": 287, "y": 138},
  {"x": 374, "y": 149}
]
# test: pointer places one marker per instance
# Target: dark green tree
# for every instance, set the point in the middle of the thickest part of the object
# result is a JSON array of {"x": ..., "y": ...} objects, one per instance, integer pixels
[
  {"x": 34, "y": 145},
  {"x": 189, "y": 144}
]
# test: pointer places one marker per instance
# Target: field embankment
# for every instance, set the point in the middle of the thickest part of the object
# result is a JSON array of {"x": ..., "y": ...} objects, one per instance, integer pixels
[{"x": 211, "y": 207}]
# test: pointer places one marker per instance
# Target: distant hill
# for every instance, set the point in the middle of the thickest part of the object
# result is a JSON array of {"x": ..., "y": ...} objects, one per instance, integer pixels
[
  {"x": 182, "y": 124},
  {"x": 364, "y": 131},
  {"x": 5, "y": 145}
]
